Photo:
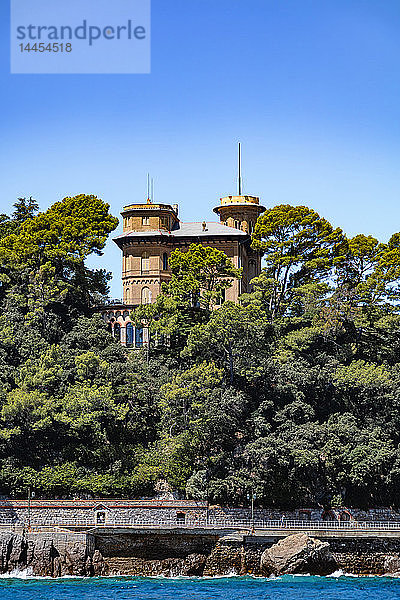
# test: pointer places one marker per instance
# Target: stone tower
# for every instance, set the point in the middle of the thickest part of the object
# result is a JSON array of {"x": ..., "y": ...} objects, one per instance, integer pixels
[
  {"x": 240, "y": 212},
  {"x": 145, "y": 251}
]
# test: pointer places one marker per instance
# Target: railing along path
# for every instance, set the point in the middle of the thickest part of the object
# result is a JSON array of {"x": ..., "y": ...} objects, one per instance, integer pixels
[{"x": 212, "y": 523}]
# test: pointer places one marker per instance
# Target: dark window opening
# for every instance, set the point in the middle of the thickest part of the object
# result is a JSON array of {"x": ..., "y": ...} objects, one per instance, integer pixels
[
  {"x": 139, "y": 337},
  {"x": 165, "y": 261},
  {"x": 117, "y": 331},
  {"x": 129, "y": 334},
  {"x": 221, "y": 298},
  {"x": 180, "y": 518},
  {"x": 100, "y": 517}
]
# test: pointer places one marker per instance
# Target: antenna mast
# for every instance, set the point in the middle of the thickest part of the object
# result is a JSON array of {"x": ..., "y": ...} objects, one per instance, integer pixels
[
  {"x": 148, "y": 186},
  {"x": 240, "y": 170}
]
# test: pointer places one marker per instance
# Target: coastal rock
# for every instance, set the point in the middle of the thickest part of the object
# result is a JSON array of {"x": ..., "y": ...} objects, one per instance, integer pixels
[
  {"x": 42, "y": 558},
  {"x": 298, "y": 553},
  {"x": 226, "y": 558},
  {"x": 194, "y": 565},
  {"x": 97, "y": 567},
  {"x": 13, "y": 551},
  {"x": 46, "y": 556},
  {"x": 392, "y": 565},
  {"x": 191, "y": 566},
  {"x": 76, "y": 560}
]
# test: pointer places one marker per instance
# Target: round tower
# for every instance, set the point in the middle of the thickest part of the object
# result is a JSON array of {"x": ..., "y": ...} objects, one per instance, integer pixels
[{"x": 240, "y": 212}]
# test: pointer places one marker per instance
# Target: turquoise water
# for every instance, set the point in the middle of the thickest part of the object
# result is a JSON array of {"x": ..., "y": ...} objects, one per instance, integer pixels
[{"x": 231, "y": 588}]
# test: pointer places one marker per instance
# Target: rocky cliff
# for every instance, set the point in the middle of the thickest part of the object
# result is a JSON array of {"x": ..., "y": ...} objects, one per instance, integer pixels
[{"x": 47, "y": 555}]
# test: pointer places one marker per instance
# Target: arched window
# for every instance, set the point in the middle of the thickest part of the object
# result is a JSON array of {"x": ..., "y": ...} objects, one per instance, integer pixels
[
  {"x": 145, "y": 262},
  {"x": 165, "y": 261},
  {"x": 117, "y": 331},
  {"x": 129, "y": 334},
  {"x": 251, "y": 226},
  {"x": 146, "y": 295},
  {"x": 127, "y": 292},
  {"x": 139, "y": 337},
  {"x": 237, "y": 224}
]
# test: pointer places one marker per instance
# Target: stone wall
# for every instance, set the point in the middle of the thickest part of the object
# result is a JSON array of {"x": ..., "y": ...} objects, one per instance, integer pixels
[
  {"x": 50, "y": 512},
  {"x": 81, "y": 512},
  {"x": 306, "y": 514},
  {"x": 150, "y": 553},
  {"x": 200, "y": 554},
  {"x": 173, "y": 553}
]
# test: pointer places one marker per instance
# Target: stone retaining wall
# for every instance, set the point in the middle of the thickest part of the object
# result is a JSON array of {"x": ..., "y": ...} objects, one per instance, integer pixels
[
  {"x": 174, "y": 553},
  {"x": 47, "y": 512},
  {"x": 200, "y": 554}
]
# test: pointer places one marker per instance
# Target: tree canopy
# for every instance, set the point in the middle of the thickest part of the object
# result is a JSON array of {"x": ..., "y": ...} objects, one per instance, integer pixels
[{"x": 293, "y": 392}]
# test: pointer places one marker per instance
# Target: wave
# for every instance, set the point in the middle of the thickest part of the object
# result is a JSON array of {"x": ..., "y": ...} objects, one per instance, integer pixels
[
  {"x": 19, "y": 574},
  {"x": 24, "y": 574}
]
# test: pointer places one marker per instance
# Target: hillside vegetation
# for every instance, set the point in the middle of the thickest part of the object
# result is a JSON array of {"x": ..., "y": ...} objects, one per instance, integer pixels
[{"x": 294, "y": 393}]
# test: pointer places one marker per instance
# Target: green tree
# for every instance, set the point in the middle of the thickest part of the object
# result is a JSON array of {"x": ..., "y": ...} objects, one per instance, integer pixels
[
  {"x": 196, "y": 402},
  {"x": 200, "y": 275},
  {"x": 198, "y": 278},
  {"x": 24, "y": 209},
  {"x": 299, "y": 247},
  {"x": 46, "y": 257},
  {"x": 235, "y": 337}
]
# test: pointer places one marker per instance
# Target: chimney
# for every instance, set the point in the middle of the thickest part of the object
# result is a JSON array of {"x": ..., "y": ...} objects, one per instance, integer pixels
[
  {"x": 204, "y": 226},
  {"x": 175, "y": 207}
]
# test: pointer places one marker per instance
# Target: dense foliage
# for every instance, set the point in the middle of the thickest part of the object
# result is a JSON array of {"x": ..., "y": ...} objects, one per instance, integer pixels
[{"x": 293, "y": 393}]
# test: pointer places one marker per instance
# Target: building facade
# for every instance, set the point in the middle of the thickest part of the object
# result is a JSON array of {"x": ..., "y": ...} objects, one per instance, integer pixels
[{"x": 151, "y": 231}]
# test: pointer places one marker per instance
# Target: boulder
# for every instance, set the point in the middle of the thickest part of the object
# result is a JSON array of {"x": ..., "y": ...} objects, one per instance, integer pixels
[
  {"x": 392, "y": 565},
  {"x": 298, "y": 553},
  {"x": 98, "y": 566}
]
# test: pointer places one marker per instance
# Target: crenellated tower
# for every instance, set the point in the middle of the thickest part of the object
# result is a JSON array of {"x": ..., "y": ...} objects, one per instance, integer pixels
[{"x": 240, "y": 212}]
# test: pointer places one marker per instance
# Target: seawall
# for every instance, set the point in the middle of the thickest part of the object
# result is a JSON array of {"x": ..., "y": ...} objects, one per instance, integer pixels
[{"x": 175, "y": 552}]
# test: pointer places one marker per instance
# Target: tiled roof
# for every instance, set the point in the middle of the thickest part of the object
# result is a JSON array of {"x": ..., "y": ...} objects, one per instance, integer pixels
[{"x": 187, "y": 230}]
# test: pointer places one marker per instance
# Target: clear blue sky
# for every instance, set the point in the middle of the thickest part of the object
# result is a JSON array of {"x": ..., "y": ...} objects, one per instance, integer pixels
[{"x": 310, "y": 87}]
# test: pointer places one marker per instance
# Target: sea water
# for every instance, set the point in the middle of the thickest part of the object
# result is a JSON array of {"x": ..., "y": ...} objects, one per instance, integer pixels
[{"x": 337, "y": 587}]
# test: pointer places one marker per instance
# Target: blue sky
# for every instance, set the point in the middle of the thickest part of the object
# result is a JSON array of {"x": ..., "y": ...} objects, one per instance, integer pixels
[{"x": 310, "y": 87}]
